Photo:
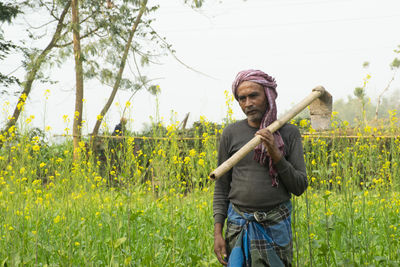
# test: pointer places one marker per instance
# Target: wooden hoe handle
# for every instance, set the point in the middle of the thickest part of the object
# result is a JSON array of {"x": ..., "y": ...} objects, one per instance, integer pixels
[{"x": 235, "y": 158}]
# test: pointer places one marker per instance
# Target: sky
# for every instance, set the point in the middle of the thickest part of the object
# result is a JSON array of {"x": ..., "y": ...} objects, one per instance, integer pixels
[{"x": 301, "y": 43}]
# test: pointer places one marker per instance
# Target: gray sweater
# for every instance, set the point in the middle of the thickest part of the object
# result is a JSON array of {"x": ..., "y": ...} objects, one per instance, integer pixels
[{"x": 248, "y": 184}]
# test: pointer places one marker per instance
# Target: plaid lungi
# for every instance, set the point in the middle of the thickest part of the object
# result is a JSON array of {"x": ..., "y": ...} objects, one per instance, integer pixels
[{"x": 260, "y": 238}]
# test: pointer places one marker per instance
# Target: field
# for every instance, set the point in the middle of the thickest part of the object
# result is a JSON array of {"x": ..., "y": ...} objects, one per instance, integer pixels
[{"x": 148, "y": 201}]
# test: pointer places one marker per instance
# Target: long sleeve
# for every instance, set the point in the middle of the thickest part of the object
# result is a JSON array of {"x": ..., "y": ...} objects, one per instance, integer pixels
[
  {"x": 248, "y": 185},
  {"x": 222, "y": 185},
  {"x": 291, "y": 168}
]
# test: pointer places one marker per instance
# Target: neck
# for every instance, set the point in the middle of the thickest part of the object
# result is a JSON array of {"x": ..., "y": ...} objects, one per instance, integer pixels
[{"x": 254, "y": 124}]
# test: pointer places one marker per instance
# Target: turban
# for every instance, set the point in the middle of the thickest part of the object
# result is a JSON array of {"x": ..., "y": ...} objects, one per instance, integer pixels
[{"x": 269, "y": 85}]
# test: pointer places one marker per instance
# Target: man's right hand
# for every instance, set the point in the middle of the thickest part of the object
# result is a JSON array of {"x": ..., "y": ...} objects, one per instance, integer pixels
[{"x": 219, "y": 244}]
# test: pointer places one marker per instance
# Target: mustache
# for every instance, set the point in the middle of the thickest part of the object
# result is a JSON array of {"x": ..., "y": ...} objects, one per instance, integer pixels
[
  {"x": 250, "y": 109},
  {"x": 254, "y": 108}
]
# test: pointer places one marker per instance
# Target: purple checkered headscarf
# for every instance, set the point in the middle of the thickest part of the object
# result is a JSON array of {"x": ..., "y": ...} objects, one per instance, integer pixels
[{"x": 269, "y": 84}]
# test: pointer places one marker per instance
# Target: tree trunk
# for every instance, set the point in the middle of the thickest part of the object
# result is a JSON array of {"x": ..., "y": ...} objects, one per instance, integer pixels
[
  {"x": 77, "y": 125},
  {"x": 121, "y": 70},
  {"x": 31, "y": 75}
]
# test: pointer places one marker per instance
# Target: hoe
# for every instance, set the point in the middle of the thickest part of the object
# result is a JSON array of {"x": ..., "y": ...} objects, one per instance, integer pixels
[{"x": 320, "y": 102}]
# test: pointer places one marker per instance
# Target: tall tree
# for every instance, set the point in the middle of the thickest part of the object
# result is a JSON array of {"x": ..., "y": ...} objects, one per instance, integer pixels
[
  {"x": 105, "y": 53},
  {"x": 120, "y": 71},
  {"x": 145, "y": 57},
  {"x": 104, "y": 29},
  {"x": 77, "y": 124},
  {"x": 35, "y": 61}
]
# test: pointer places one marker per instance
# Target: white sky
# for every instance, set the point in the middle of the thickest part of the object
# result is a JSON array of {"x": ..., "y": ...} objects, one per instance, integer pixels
[{"x": 302, "y": 43}]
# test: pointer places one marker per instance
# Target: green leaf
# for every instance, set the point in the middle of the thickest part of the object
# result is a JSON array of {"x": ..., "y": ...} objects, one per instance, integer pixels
[
  {"x": 3, "y": 263},
  {"x": 128, "y": 260},
  {"x": 119, "y": 242},
  {"x": 395, "y": 64},
  {"x": 380, "y": 259}
]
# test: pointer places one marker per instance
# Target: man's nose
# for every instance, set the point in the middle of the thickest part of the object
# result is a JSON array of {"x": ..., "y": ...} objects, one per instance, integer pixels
[{"x": 248, "y": 102}]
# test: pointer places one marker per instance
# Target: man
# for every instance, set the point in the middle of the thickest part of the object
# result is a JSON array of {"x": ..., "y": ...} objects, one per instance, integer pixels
[
  {"x": 255, "y": 194},
  {"x": 119, "y": 129}
]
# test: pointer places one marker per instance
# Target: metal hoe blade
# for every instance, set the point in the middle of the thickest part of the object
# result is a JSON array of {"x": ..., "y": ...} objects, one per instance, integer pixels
[{"x": 321, "y": 112}]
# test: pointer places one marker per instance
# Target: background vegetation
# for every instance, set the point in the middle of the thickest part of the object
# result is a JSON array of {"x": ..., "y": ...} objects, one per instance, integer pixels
[{"x": 147, "y": 200}]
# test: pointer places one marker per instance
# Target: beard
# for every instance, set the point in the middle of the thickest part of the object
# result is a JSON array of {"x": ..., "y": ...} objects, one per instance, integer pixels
[{"x": 254, "y": 114}]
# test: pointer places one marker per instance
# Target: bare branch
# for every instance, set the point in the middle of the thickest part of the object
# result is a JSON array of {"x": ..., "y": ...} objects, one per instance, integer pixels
[
  {"x": 99, "y": 35},
  {"x": 176, "y": 58},
  {"x": 134, "y": 74},
  {"x": 38, "y": 27},
  {"x": 51, "y": 10},
  {"x": 8, "y": 74},
  {"x": 381, "y": 94},
  {"x": 140, "y": 78},
  {"x": 150, "y": 56}
]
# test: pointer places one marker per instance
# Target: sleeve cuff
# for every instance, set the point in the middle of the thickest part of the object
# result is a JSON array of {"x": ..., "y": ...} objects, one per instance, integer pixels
[{"x": 219, "y": 218}]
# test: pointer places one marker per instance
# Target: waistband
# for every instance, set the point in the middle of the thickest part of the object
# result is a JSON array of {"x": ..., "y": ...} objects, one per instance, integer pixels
[{"x": 281, "y": 210}]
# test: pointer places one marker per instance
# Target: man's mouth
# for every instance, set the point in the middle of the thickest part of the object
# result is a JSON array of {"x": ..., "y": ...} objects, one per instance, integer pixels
[{"x": 251, "y": 112}]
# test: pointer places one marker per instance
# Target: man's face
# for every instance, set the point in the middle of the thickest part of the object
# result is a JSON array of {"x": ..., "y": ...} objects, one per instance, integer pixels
[{"x": 252, "y": 100}]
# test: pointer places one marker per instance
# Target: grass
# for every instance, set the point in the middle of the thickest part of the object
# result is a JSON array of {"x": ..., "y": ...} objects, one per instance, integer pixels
[{"x": 149, "y": 202}]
